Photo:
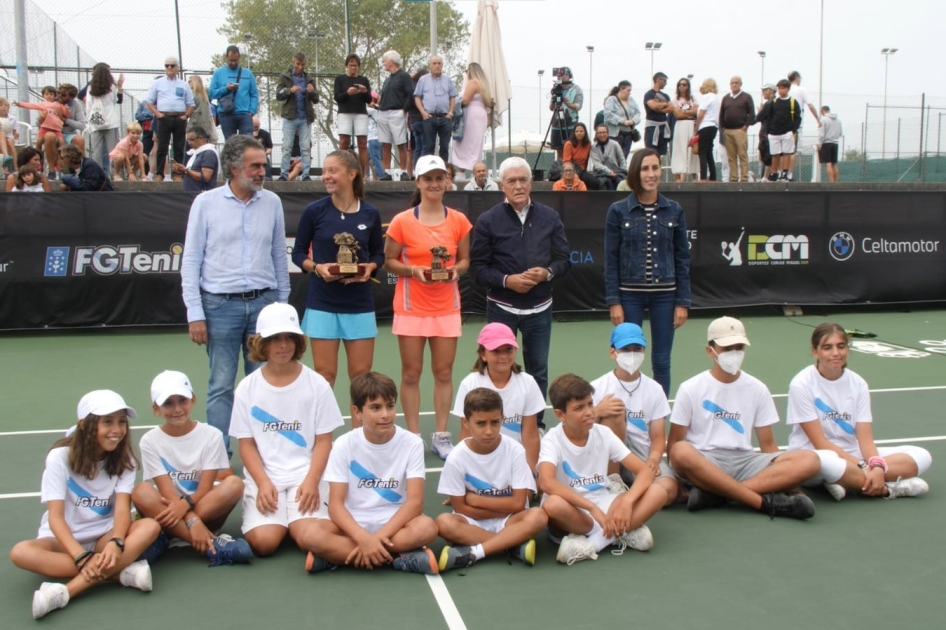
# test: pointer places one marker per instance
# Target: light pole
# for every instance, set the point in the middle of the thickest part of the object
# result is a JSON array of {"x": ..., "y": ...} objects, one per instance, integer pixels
[
  {"x": 591, "y": 109},
  {"x": 541, "y": 72},
  {"x": 652, "y": 47},
  {"x": 886, "y": 52},
  {"x": 762, "y": 57},
  {"x": 247, "y": 43}
]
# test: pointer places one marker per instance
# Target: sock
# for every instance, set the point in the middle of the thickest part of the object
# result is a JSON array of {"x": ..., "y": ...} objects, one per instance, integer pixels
[
  {"x": 598, "y": 539},
  {"x": 478, "y": 552}
]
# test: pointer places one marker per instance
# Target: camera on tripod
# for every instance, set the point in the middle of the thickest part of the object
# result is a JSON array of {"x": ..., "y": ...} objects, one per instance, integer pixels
[{"x": 557, "y": 89}]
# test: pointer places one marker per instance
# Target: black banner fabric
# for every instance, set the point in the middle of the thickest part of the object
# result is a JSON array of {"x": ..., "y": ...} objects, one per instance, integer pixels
[{"x": 113, "y": 259}]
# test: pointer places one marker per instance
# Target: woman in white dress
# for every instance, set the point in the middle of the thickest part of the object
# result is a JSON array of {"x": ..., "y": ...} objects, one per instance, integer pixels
[
  {"x": 477, "y": 107},
  {"x": 683, "y": 162}
]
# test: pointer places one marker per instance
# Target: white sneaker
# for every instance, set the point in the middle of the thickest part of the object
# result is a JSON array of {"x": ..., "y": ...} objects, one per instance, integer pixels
[
  {"x": 616, "y": 485},
  {"x": 441, "y": 443},
  {"x": 136, "y": 575},
  {"x": 640, "y": 539},
  {"x": 50, "y": 596},
  {"x": 912, "y": 487},
  {"x": 836, "y": 490},
  {"x": 575, "y": 547}
]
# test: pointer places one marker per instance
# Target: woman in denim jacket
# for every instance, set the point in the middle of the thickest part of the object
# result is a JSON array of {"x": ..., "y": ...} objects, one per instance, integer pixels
[{"x": 647, "y": 261}]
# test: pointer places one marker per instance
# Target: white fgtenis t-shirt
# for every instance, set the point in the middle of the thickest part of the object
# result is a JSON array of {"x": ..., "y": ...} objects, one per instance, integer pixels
[
  {"x": 643, "y": 403},
  {"x": 838, "y": 405},
  {"x": 495, "y": 474},
  {"x": 376, "y": 474},
  {"x": 183, "y": 458},
  {"x": 721, "y": 416},
  {"x": 284, "y": 422},
  {"x": 584, "y": 469},
  {"x": 521, "y": 397}
]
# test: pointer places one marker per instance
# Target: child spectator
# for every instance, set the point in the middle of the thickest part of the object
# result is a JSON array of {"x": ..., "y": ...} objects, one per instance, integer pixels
[
  {"x": 283, "y": 416},
  {"x": 573, "y": 472},
  {"x": 86, "y": 535},
  {"x": 182, "y": 458},
  {"x": 488, "y": 481},
  {"x": 782, "y": 116},
  {"x": 54, "y": 113},
  {"x": 129, "y": 155},
  {"x": 376, "y": 498},
  {"x": 8, "y": 136},
  {"x": 28, "y": 180}
]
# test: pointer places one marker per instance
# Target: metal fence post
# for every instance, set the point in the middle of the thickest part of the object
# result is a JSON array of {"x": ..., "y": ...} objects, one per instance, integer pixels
[{"x": 922, "y": 107}]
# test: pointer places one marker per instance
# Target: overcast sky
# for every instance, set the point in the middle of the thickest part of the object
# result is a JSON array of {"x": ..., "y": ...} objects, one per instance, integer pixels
[{"x": 715, "y": 39}]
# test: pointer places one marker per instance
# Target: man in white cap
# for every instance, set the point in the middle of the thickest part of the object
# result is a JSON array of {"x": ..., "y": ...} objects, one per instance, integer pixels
[{"x": 710, "y": 442}]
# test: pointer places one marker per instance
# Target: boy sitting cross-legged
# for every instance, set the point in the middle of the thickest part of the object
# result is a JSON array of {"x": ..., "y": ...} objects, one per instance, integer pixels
[
  {"x": 488, "y": 480},
  {"x": 376, "y": 490},
  {"x": 573, "y": 472}
]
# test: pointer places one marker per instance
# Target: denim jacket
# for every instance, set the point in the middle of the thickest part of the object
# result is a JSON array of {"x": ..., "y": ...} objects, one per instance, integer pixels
[{"x": 625, "y": 240}]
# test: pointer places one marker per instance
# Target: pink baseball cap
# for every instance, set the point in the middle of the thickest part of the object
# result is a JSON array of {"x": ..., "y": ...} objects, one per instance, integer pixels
[{"x": 496, "y": 335}]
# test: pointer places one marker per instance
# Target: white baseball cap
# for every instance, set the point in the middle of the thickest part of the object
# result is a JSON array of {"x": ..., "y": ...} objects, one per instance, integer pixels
[
  {"x": 102, "y": 402},
  {"x": 727, "y": 331},
  {"x": 170, "y": 383},
  {"x": 278, "y": 318},
  {"x": 429, "y": 163}
]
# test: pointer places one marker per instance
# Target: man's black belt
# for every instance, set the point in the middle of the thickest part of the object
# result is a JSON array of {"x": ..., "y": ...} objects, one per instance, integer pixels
[{"x": 246, "y": 295}]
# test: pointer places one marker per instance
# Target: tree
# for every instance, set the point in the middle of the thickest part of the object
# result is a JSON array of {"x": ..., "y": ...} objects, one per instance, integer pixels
[{"x": 270, "y": 31}]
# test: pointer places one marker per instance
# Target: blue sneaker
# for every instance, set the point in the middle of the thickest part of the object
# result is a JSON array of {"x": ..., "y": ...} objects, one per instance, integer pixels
[
  {"x": 157, "y": 549},
  {"x": 229, "y": 550},
  {"x": 315, "y": 564},
  {"x": 417, "y": 561},
  {"x": 456, "y": 558}
]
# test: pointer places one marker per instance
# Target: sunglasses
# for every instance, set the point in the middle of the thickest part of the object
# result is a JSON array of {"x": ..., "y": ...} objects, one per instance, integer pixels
[{"x": 170, "y": 65}]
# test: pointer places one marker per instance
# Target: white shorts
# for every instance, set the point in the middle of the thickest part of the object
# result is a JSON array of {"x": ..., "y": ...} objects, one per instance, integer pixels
[
  {"x": 492, "y": 525},
  {"x": 783, "y": 144},
  {"x": 602, "y": 499},
  {"x": 287, "y": 508},
  {"x": 833, "y": 466},
  {"x": 392, "y": 127},
  {"x": 352, "y": 124}
]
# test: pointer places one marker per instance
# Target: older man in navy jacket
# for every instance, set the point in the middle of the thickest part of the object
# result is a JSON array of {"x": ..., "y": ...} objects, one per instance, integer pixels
[{"x": 518, "y": 248}]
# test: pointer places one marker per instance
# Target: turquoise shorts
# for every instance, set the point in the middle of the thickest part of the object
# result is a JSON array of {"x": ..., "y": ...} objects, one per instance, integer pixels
[{"x": 344, "y": 326}]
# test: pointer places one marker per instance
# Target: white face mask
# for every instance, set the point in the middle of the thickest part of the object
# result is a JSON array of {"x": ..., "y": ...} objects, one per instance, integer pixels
[
  {"x": 630, "y": 361},
  {"x": 730, "y": 361}
]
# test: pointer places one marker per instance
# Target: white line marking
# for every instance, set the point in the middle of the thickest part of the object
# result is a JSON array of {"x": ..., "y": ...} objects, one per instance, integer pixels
[
  {"x": 19, "y": 495},
  {"x": 447, "y": 608}
]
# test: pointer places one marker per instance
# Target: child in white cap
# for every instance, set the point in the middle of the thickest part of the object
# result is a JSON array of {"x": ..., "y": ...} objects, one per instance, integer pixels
[
  {"x": 283, "y": 416},
  {"x": 180, "y": 460},
  {"x": 86, "y": 535}
]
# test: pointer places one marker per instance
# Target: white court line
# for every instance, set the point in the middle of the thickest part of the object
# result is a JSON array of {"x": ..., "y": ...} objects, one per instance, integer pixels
[
  {"x": 447, "y": 608},
  {"x": 430, "y": 413},
  {"x": 19, "y": 495}
]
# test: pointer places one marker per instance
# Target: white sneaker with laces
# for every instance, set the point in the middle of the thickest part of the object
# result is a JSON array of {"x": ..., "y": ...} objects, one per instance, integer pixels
[
  {"x": 441, "y": 443},
  {"x": 640, "y": 539},
  {"x": 616, "y": 485},
  {"x": 575, "y": 547},
  {"x": 836, "y": 491},
  {"x": 136, "y": 575},
  {"x": 50, "y": 596},
  {"x": 912, "y": 487}
]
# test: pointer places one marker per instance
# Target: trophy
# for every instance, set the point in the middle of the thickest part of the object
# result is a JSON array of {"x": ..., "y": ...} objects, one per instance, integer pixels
[
  {"x": 438, "y": 264},
  {"x": 346, "y": 263}
]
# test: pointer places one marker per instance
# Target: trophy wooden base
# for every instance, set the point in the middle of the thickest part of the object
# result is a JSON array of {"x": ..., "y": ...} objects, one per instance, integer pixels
[
  {"x": 436, "y": 274},
  {"x": 347, "y": 270}
]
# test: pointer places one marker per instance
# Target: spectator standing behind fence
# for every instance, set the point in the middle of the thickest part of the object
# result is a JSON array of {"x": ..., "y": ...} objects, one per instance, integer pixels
[
  {"x": 374, "y": 145},
  {"x": 298, "y": 93},
  {"x": 657, "y": 106},
  {"x": 233, "y": 83},
  {"x": 225, "y": 291},
  {"x": 736, "y": 115},
  {"x": 200, "y": 172},
  {"x": 683, "y": 162},
  {"x": 102, "y": 100},
  {"x": 33, "y": 157},
  {"x": 765, "y": 153},
  {"x": 129, "y": 155},
  {"x": 707, "y": 122},
  {"x": 436, "y": 97},
  {"x": 477, "y": 104},
  {"x": 84, "y": 174},
  {"x": 171, "y": 102},
  {"x": 829, "y": 134},
  {"x": 621, "y": 115},
  {"x": 202, "y": 116},
  {"x": 801, "y": 95},
  {"x": 397, "y": 94},
  {"x": 353, "y": 94},
  {"x": 783, "y": 116},
  {"x": 577, "y": 151},
  {"x": 606, "y": 160},
  {"x": 647, "y": 261},
  {"x": 415, "y": 125}
]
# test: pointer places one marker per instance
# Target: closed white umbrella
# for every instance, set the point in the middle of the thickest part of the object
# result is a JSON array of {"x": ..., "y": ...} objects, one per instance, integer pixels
[{"x": 486, "y": 49}]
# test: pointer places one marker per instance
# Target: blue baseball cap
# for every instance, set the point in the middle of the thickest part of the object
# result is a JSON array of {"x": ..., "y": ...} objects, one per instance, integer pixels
[{"x": 627, "y": 334}]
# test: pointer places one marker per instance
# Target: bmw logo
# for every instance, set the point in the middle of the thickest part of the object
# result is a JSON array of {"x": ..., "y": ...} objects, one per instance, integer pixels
[{"x": 841, "y": 246}]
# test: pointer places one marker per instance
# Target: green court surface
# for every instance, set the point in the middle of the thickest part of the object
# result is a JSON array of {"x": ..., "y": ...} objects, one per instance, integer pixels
[{"x": 857, "y": 564}]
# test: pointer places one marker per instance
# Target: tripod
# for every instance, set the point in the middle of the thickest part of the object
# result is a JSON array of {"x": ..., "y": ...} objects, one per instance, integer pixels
[{"x": 558, "y": 119}]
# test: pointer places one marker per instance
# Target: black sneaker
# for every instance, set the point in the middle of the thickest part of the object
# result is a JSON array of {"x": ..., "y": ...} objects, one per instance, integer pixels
[
  {"x": 773, "y": 177},
  {"x": 282, "y": 178},
  {"x": 386, "y": 178},
  {"x": 792, "y": 506},
  {"x": 703, "y": 500},
  {"x": 405, "y": 177},
  {"x": 306, "y": 178}
]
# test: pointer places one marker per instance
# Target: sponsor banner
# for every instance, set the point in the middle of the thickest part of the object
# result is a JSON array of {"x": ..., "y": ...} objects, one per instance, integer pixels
[{"x": 91, "y": 259}]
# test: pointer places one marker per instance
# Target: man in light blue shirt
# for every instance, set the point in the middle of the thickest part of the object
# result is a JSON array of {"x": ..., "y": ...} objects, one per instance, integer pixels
[
  {"x": 171, "y": 102},
  {"x": 435, "y": 97},
  {"x": 232, "y": 80},
  {"x": 234, "y": 264}
]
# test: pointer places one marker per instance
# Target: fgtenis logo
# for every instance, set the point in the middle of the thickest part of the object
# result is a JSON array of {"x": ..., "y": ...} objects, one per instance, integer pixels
[
  {"x": 93, "y": 502},
  {"x": 107, "y": 260}
]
